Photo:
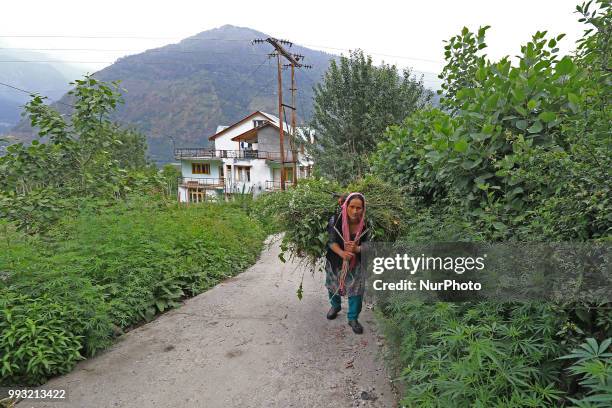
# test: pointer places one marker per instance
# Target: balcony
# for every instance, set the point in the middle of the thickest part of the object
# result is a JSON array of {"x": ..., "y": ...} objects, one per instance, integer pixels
[
  {"x": 204, "y": 153},
  {"x": 274, "y": 185},
  {"x": 201, "y": 182}
]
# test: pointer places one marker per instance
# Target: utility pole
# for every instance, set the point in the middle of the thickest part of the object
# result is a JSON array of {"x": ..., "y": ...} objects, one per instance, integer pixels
[
  {"x": 293, "y": 60},
  {"x": 298, "y": 57},
  {"x": 280, "y": 119},
  {"x": 293, "y": 130}
]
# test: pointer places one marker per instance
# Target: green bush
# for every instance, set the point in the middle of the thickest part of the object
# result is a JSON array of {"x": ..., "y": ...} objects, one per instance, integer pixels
[
  {"x": 36, "y": 339},
  {"x": 522, "y": 153},
  {"x": 264, "y": 209},
  {"x": 485, "y": 354},
  {"x": 65, "y": 295}
]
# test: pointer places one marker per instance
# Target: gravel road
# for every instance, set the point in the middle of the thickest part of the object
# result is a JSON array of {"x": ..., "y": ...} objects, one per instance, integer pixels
[{"x": 247, "y": 342}]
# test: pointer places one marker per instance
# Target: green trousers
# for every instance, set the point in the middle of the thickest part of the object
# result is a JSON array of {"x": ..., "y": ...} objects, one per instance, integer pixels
[{"x": 354, "y": 304}]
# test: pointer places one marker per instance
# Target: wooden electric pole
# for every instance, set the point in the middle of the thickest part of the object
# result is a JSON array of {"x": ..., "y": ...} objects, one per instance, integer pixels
[
  {"x": 281, "y": 51},
  {"x": 281, "y": 126},
  {"x": 293, "y": 130}
]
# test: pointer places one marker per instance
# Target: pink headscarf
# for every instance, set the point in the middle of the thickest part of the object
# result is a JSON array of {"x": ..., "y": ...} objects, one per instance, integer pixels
[{"x": 346, "y": 233}]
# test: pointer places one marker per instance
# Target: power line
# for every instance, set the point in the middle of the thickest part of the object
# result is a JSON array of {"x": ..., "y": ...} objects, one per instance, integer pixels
[
  {"x": 376, "y": 53},
  {"x": 309, "y": 78},
  {"x": 119, "y": 61},
  {"x": 31, "y": 93},
  {"x": 264, "y": 87},
  {"x": 253, "y": 73},
  {"x": 18, "y": 89},
  {"x": 160, "y": 50},
  {"x": 120, "y": 37},
  {"x": 216, "y": 39}
]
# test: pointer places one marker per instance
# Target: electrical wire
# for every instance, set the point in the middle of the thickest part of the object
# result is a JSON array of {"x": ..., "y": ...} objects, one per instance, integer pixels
[
  {"x": 218, "y": 39},
  {"x": 32, "y": 93}
]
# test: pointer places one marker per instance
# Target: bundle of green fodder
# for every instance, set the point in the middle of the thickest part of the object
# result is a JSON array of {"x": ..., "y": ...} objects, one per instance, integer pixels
[{"x": 305, "y": 210}]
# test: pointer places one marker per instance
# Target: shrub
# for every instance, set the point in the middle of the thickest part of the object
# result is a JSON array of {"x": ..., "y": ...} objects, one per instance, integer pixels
[
  {"x": 485, "y": 354},
  {"x": 65, "y": 296}
]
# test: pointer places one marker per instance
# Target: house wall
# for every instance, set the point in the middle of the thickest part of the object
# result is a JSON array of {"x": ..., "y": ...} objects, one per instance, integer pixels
[
  {"x": 214, "y": 168},
  {"x": 268, "y": 140},
  {"x": 260, "y": 173},
  {"x": 224, "y": 142}
]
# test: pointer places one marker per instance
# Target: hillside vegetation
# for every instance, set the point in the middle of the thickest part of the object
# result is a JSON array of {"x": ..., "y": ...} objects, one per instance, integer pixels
[{"x": 65, "y": 296}]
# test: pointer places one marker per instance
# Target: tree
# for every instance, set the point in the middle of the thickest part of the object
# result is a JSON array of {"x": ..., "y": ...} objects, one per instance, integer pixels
[
  {"x": 131, "y": 153},
  {"x": 86, "y": 157},
  {"x": 352, "y": 107}
]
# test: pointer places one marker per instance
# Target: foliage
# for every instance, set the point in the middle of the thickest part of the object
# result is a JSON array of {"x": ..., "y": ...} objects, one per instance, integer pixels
[
  {"x": 519, "y": 153},
  {"x": 484, "y": 355},
  {"x": 85, "y": 157},
  {"x": 463, "y": 50},
  {"x": 37, "y": 337},
  {"x": 304, "y": 218},
  {"x": 265, "y": 207},
  {"x": 170, "y": 174},
  {"x": 65, "y": 295},
  {"x": 352, "y": 106},
  {"x": 568, "y": 191},
  {"x": 519, "y": 144},
  {"x": 594, "y": 364},
  {"x": 131, "y": 152},
  {"x": 304, "y": 212}
]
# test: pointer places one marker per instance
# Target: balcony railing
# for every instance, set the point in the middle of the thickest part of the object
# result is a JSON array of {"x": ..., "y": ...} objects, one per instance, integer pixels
[
  {"x": 204, "y": 153},
  {"x": 273, "y": 185},
  {"x": 201, "y": 182}
]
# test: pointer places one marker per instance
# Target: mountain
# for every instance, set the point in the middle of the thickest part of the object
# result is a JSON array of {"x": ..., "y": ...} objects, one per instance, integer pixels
[
  {"x": 50, "y": 79},
  {"x": 183, "y": 91},
  {"x": 179, "y": 93}
]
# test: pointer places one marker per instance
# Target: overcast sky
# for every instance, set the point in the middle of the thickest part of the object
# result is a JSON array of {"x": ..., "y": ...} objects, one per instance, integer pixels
[{"x": 412, "y": 30}]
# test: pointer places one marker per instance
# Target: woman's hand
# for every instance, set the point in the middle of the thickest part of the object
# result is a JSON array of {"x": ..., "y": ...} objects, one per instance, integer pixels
[
  {"x": 347, "y": 256},
  {"x": 352, "y": 246}
]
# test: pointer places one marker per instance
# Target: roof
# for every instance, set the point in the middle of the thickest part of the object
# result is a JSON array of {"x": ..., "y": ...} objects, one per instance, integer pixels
[
  {"x": 272, "y": 118},
  {"x": 253, "y": 132}
]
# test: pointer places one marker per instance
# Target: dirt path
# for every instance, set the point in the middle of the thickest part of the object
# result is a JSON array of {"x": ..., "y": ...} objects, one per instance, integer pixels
[{"x": 248, "y": 342}]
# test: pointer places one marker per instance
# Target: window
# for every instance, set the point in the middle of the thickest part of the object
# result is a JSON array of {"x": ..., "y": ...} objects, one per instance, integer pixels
[
  {"x": 196, "y": 196},
  {"x": 289, "y": 173},
  {"x": 200, "y": 168},
  {"x": 257, "y": 123},
  {"x": 243, "y": 173}
]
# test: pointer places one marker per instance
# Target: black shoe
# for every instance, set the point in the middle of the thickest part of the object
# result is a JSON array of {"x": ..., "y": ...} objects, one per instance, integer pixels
[
  {"x": 333, "y": 312},
  {"x": 357, "y": 328}
]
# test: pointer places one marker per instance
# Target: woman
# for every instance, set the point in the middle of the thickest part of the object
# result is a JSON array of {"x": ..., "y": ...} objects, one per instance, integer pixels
[{"x": 343, "y": 260}]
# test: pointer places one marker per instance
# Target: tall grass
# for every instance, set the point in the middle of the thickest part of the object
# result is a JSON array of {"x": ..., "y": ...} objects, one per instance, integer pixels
[{"x": 65, "y": 296}]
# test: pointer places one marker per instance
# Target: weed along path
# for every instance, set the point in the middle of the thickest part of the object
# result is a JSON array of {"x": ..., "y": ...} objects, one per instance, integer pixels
[{"x": 247, "y": 342}]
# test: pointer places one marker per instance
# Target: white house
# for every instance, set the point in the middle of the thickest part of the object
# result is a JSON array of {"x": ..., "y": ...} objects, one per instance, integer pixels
[{"x": 243, "y": 158}]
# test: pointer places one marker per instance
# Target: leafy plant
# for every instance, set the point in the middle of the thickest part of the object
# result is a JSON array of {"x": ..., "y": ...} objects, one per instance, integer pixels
[
  {"x": 64, "y": 296},
  {"x": 594, "y": 364},
  {"x": 304, "y": 212}
]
